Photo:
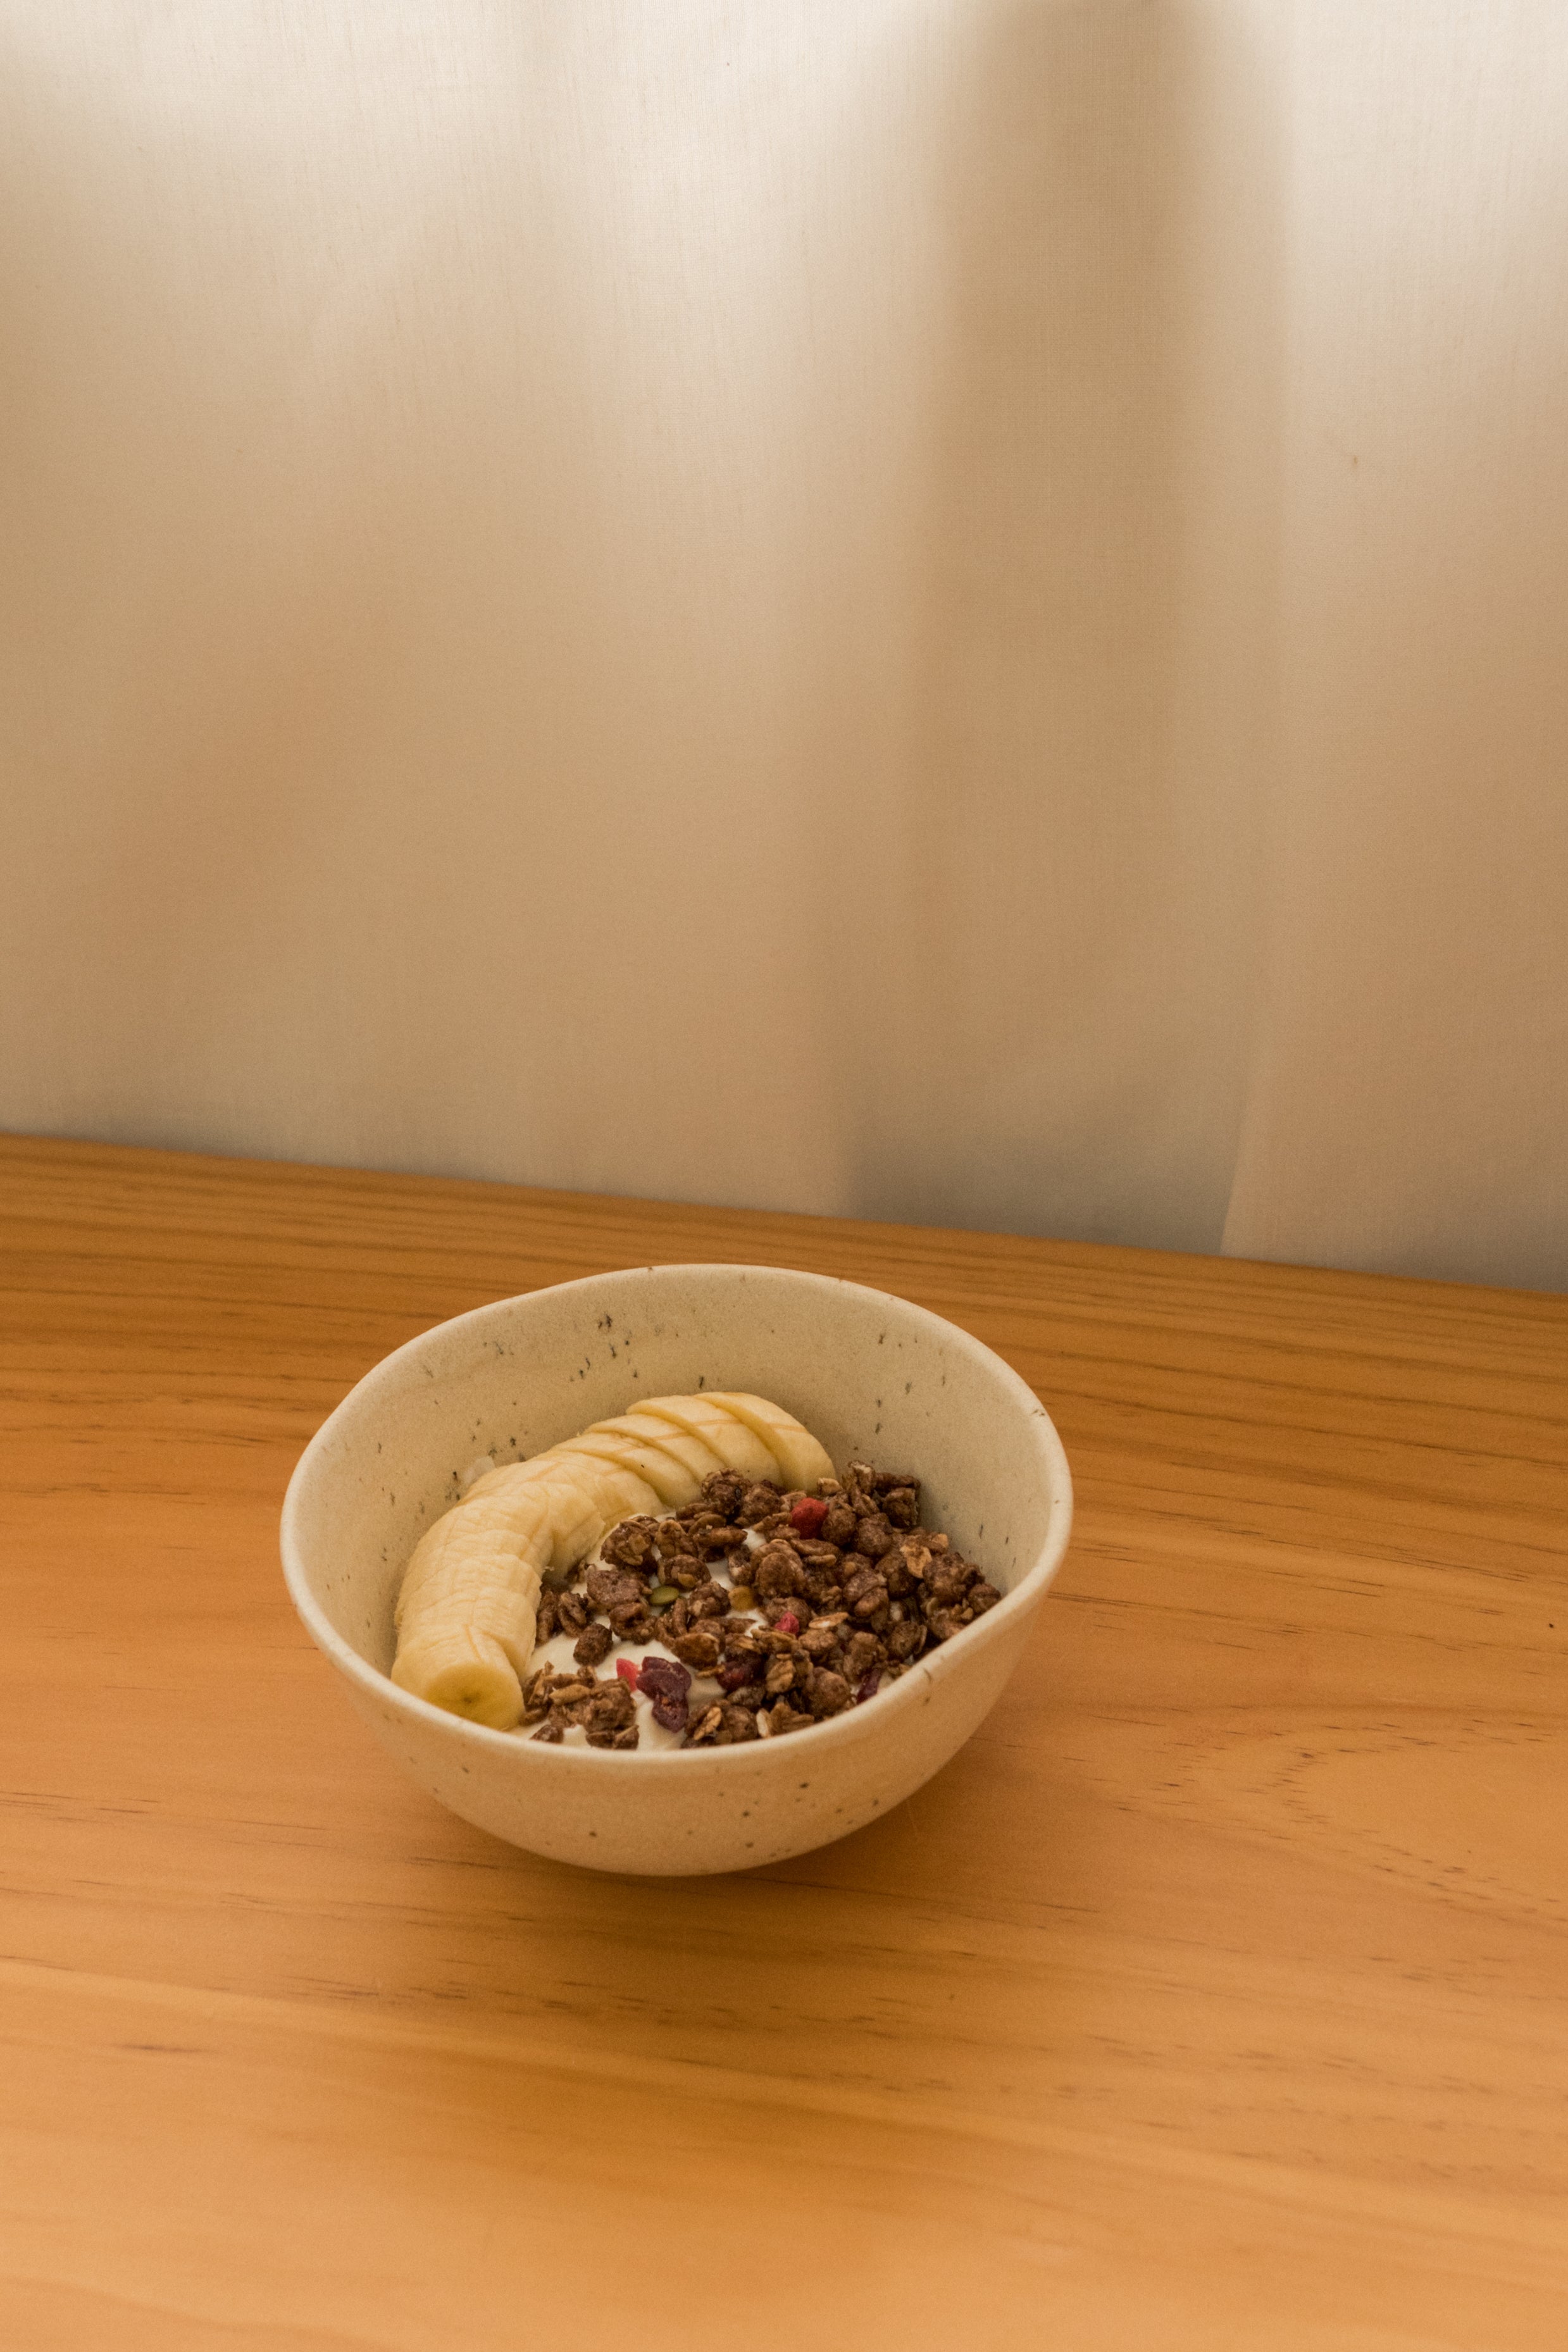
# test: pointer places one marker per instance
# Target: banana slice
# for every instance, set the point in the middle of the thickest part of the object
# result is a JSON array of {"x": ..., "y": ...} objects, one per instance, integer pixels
[
  {"x": 469, "y": 1606},
  {"x": 801, "y": 1458},
  {"x": 737, "y": 1446},
  {"x": 672, "y": 1483},
  {"x": 455, "y": 1551},
  {"x": 646, "y": 1429},
  {"x": 604, "y": 1492},
  {"x": 467, "y": 1612}
]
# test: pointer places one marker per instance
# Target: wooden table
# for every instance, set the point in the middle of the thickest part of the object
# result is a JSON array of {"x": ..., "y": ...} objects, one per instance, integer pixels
[{"x": 1217, "y": 1996}]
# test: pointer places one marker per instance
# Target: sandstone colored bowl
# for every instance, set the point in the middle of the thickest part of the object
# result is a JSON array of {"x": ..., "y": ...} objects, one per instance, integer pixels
[{"x": 876, "y": 1379}]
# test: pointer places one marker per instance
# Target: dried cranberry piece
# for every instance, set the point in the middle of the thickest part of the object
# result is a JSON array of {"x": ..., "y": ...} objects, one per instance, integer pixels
[
  {"x": 670, "y": 1711},
  {"x": 628, "y": 1670},
  {"x": 868, "y": 1688},
  {"x": 788, "y": 1624},
  {"x": 664, "y": 1678},
  {"x": 807, "y": 1515},
  {"x": 739, "y": 1673}
]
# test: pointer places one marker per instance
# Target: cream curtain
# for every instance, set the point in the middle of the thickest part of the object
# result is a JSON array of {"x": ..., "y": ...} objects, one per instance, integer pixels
[{"x": 940, "y": 609}]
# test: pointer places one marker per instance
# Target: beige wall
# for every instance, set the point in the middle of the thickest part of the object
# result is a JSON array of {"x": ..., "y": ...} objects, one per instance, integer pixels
[{"x": 926, "y": 607}]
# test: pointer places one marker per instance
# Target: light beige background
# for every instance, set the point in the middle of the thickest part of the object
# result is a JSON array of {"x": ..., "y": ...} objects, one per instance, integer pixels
[{"x": 939, "y": 608}]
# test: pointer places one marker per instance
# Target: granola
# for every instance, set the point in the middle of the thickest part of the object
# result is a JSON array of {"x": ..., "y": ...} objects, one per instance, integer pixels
[{"x": 753, "y": 1614}]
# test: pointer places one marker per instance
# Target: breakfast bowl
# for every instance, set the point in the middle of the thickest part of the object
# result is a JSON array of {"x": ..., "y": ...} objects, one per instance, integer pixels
[{"x": 876, "y": 1379}]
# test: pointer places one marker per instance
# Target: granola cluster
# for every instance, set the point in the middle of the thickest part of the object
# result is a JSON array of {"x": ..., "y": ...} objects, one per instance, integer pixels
[{"x": 791, "y": 1606}]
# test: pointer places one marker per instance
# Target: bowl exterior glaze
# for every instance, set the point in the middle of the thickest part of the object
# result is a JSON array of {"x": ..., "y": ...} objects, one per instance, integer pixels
[{"x": 875, "y": 1378}]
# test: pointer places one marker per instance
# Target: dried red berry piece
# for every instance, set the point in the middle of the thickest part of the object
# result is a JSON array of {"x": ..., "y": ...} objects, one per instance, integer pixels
[
  {"x": 739, "y": 1673},
  {"x": 788, "y": 1624},
  {"x": 807, "y": 1515},
  {"x": 663, "y": 1678},
  {"x": 670, "y": 1711},
  {"x": 628, "y": 1670},
  {"x": 867, "y": 1687}
]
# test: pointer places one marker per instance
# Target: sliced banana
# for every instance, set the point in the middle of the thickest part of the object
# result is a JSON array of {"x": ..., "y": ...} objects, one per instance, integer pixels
[
  {"x": 799, "y": 1457},
  {"x": 674, "y": 1484},
  {"x": 649, "y": 1429},
  {"x": 594, "y": 1491},
  {"x": 737, "y": 1446},
  {"x": 467, "y": 1610}
]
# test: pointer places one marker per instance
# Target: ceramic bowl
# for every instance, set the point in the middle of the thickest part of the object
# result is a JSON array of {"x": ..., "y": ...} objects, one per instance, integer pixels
[{"x": 876, "y": 1379}]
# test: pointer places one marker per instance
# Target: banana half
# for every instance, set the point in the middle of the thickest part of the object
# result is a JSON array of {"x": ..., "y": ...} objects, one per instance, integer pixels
[{"x": 469, "y": 1600}]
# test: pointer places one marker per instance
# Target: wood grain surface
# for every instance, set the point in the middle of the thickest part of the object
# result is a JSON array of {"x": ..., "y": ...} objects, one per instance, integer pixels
[{"x": 1215, "y": 1996}]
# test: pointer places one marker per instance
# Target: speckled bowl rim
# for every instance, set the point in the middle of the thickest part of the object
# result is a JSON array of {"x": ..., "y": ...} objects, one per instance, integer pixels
[{"x": 872, "y": 1721}]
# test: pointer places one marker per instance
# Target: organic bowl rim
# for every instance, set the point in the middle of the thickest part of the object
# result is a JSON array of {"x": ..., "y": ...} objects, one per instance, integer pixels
[{"x": 857, "y": 1724}]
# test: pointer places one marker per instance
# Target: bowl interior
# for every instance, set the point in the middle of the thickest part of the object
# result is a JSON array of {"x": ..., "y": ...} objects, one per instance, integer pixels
[{"x": 874, "y": 1377}]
